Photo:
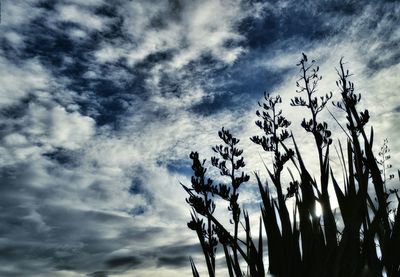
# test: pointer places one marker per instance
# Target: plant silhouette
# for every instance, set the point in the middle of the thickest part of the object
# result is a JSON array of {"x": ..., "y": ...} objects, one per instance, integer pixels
[{"x": 302, "y": 242}]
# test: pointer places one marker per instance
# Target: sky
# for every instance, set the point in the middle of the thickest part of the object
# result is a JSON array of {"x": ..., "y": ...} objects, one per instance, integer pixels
[{"x": 101, "y": 103}]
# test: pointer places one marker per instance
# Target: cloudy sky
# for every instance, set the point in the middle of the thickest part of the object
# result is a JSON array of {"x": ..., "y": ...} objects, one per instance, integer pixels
[{"x": 101, "y": 103}]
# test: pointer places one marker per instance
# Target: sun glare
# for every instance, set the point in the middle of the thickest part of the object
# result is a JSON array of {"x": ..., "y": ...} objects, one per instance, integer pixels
[{"x": 318, "y": 209}]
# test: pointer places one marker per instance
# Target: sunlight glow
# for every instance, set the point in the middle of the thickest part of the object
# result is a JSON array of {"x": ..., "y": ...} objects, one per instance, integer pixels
[{"x": 318, "y": 209}]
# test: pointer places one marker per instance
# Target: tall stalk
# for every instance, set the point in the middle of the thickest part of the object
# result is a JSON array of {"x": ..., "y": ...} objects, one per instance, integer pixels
[{"x": 231, "y": 154}]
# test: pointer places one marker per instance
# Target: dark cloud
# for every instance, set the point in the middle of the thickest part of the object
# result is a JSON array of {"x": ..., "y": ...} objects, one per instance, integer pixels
[
  {"x": 175, "y": 256},
  {"x": 128, "y": 261},
  {"x": 63, "y": 156},
  {"x": 178, "y": 250}
]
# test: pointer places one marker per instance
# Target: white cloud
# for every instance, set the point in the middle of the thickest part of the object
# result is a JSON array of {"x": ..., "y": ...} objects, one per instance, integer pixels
[
  {"x": 78, "y": 34},
  {"x": 16, "y": 17},
  {"x": 14, "y": 139},
  {"x": 193, "y": 30},
  {"x": 78, "y": 15},
  {"x": 17, "y": 14},
  {"x": 14, "y": 38},
  {"x": 108, "y": 54},
  {"x": 57, "y": 127},
  {"x": 17, "y": 81}
]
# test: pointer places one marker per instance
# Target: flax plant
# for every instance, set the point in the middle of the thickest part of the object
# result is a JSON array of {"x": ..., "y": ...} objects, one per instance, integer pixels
[
  {"x": 304, "y": 244},
  {"x": 201, "y": 195},
  {"x": 231, "y": 155},
  {"x": 283, "y": 250}
]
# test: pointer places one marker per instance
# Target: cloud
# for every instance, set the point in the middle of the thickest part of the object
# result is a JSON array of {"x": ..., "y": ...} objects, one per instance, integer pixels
[
  {"x": 18, "y": 14},
  {"x": 57, "y": 127},
  {"x": 171, "y": 37},
  {"x": 74, "y": 14},
  {"x": 123, "y": 261},
  {"x": 19, "y": 80},
  {"x": 175, "y": 261}
]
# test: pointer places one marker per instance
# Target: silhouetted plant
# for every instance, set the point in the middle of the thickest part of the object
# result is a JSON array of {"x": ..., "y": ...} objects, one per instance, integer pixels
[
  {"x": 305, "y": 244},
  {"x": 230, "y": 164},
  {"x": 202, "y": 203},
  {"x": 308, "y": 85},
  {"x": 231, "y": 155},
  {"x": 383, "y": 161},
  {"x": 275, "y": 127}
]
